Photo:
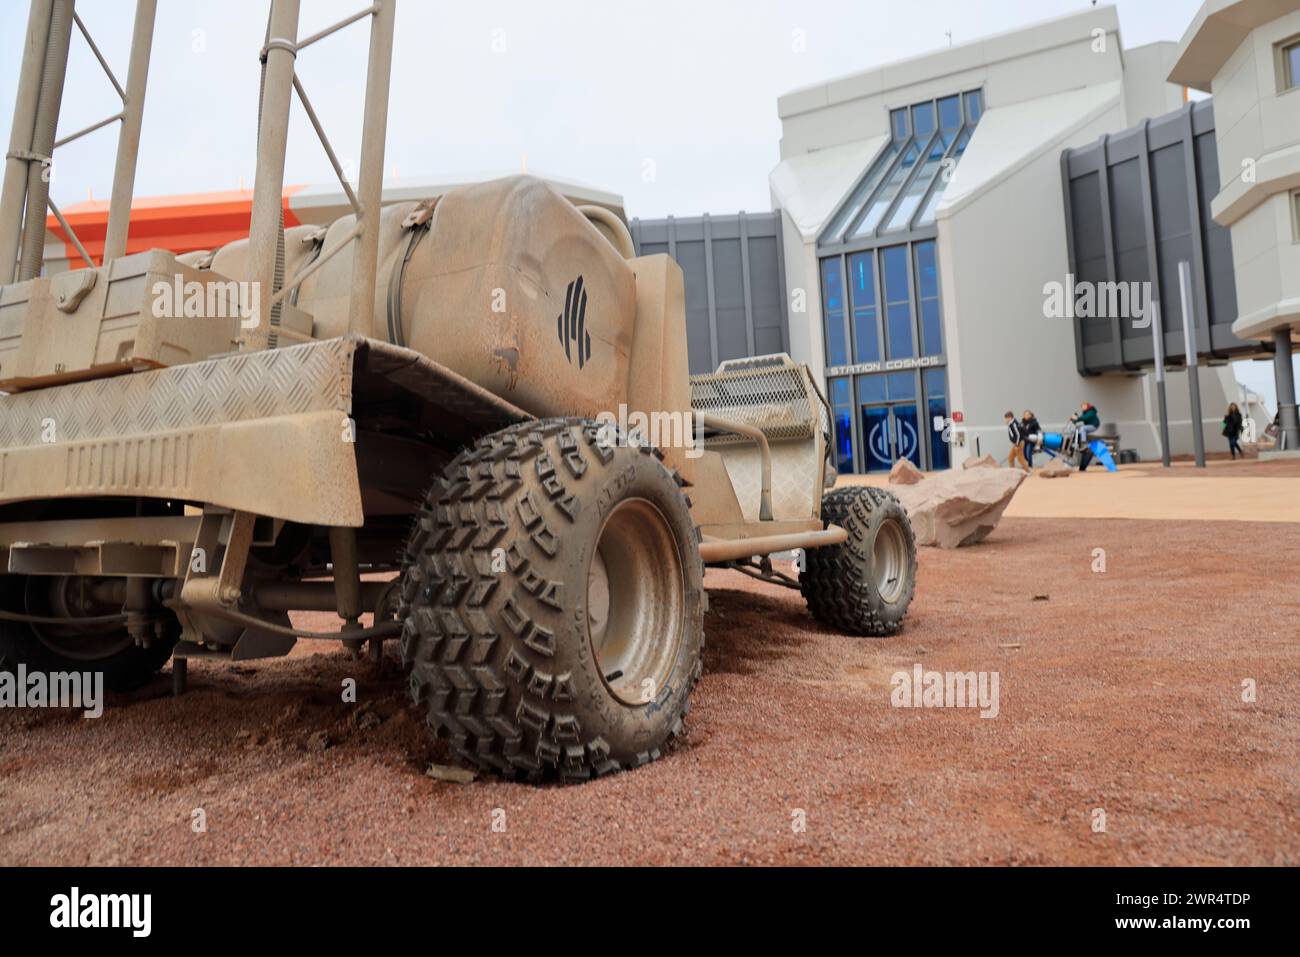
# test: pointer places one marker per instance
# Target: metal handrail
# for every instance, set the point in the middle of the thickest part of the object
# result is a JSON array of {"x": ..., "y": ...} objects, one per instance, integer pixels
[{"x": 764, "y": 451}]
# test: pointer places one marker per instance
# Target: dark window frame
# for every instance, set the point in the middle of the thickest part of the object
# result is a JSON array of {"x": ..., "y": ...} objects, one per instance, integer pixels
[{"x": 1288, "y": 77}]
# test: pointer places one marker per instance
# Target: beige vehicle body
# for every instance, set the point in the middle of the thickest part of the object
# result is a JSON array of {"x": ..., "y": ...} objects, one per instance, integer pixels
[
  {"x": 327, "y": 429},
  {"x": 194, "y": 446}
]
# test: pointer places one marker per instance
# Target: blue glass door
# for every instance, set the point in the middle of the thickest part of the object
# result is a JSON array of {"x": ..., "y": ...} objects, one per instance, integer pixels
[
  {"x": 877, "y": 439},
  {"x": 906, "y": 433}
]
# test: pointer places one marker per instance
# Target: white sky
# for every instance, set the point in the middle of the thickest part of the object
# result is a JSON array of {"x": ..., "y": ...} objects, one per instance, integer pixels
[{"x": 584, "y": 90}]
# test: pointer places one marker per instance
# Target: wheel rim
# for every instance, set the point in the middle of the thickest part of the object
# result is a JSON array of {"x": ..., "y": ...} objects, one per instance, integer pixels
[
  {"x": 889, "y": 560},
  {"x": 636, "y": 602}
]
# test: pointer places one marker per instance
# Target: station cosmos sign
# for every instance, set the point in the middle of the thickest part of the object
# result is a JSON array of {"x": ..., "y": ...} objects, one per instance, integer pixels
[{"x": 890, "y": 365}]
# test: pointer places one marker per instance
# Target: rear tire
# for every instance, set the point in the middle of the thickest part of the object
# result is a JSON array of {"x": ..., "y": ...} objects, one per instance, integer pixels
[
  {"x": 553, "y": 601},
  {"x": 108, "y": 650},
  {"x": 864, "y": 585}
]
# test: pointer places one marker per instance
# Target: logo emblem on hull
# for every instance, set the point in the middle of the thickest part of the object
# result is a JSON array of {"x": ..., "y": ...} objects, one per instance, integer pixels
[{"x": 571, "y": 325}]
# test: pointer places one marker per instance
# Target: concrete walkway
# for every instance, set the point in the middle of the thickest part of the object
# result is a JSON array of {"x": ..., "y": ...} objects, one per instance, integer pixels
[{"x": 1249, "y": 491}]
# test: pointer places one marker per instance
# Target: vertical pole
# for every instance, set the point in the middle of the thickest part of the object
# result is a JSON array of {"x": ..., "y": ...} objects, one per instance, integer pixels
[
  {"x": 128, "y": 138},
  {"x": 43, "y": 133},
  {"x": 711, "y": 292},
  {"x": 370, "y": 192},
  {"x": 1158, "y": 351},
  {"x": 1284, "y": 378},
  {"x": 14, "y": 192},
  {"x": 268, "y": 183},
  {"x": 1193, "y": 370},
  {"x": 347, "y": 575},
  {"x": 744, "y": 281}
]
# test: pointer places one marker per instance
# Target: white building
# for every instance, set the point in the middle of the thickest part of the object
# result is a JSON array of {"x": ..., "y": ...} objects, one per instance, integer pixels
[
  {"x": 1247, "y": 53},
  {"x": 923, "y": 217}
]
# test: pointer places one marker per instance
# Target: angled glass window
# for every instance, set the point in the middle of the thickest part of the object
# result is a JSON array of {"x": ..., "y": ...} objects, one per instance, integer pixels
[
  {"x": 898, "y": 306},
  {"x": 900, "y": 385},
  {"x": 923, "y": 120},
  {"x": 941, "y": 180},
  {"x": 849, "y": 211},
  {"x": 885, "y": 195},
  {"x": 837, "y": 342},
  {"x": 917, "y": 189},
  {"x": 898, "y": 124},
  {"x": 907, "y": 177},
  {"x": 927, "y": 298},
  {"x": 935, "y": 394},
  {"x": 950, "y": 113},
  {"x": 841, "y": 393},
  {"x": 862, "y": 286},
  {"x": 871, "y": 388}
]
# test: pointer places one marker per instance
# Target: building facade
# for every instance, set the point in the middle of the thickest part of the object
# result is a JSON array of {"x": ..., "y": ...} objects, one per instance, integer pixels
[
  {"x": 1247, "y": 54},
  {"x": 734, "y": 277},
  {"x": 922, "y": 205},
  {"x": 926, "y": 215}
]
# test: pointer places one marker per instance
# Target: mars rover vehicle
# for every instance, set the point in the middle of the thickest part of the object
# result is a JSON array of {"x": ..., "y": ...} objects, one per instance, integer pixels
[
  {"x": 484, "y": 395},
  {"x": 1067, "y": 446}
]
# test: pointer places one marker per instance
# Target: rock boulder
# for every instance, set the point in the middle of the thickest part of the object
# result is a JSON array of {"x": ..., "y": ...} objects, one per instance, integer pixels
[
  {"x": 1055, "y": 469},
  {"x": 905, "y": 473},
  {"x": 955, "y": 508}
]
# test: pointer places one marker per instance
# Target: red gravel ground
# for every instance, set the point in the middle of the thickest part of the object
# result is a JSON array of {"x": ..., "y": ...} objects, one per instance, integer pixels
[{"x": 1124, "y": 693}]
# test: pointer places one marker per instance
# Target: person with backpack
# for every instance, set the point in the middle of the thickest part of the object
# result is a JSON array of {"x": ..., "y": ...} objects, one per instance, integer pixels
[
  {"x": 1232, "y": 426},
  {"x": 1016, "y": 457}
]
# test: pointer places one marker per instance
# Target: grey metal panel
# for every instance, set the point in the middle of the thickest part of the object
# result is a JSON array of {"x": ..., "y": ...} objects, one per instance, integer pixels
[
  {"x": 689, "y": 254},
  {"x": 745, "y": 286},
  {"x": 734, "y": 273},
  {"x": 1149, "y": 189},
  {"x": 1108, "y": 236},
  {"x": 1170, "y": 241},
  {"x": 1203, "y": 310},
  {"x": 901, "y": 237},
  {"x": 1071, "y": 257},
  {"x": 1135, "y": 348},
  {"x": 712, "y": 289},
  {"x": 767, "y": 295},
  {"x": 1203, "y": 117},
  {"x": 1089, "y": 263},
  {"x": 1221, "y": 280},
  {"x": 735, "y": 334}
]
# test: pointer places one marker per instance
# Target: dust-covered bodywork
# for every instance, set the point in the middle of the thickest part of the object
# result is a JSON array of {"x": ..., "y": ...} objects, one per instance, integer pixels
[{"x": 483, "y": 394}]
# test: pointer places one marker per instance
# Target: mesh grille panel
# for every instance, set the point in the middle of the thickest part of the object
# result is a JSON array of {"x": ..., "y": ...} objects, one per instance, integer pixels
[{"x": 778, "y": 399}]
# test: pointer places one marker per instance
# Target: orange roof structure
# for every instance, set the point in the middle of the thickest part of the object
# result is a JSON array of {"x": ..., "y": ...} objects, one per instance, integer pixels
[{"x": 178, "y": 223}]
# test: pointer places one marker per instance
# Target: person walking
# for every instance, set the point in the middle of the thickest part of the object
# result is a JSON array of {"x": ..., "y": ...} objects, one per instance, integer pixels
[
  {"x": 1030, "y": 432},
  {"x": 1232, "y": 425},
  {"x": 1016, "y": 457}
]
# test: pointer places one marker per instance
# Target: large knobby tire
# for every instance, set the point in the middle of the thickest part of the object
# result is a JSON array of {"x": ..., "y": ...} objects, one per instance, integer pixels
[
  {"x": 862, "y": 586},
  {"x": 46, "y": 648},
  {"x": 553, "y": 603}
]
